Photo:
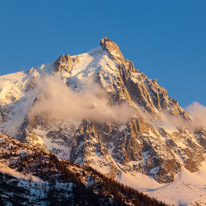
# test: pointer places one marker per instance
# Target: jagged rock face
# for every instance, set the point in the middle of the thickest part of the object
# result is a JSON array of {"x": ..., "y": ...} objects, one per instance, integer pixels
[
  {"x": 58, "y": 135},
  {"x": 132, "y": 85},
  {"x": 4, "y": 113},
  {"x": 150, "y": 95},
  {"x": 200, "y": 136},
  {"x": 89, "y": 149},
  {"x": 63, "y": 63},
  {"x": 139, "y": 145}
]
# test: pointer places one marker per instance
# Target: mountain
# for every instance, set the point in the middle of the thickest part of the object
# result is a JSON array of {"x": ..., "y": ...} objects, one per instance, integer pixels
[{"x": 97, "y": 110}]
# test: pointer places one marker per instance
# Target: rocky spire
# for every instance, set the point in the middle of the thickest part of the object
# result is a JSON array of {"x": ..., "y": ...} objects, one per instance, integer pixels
[{"x": 113, "y": 50}]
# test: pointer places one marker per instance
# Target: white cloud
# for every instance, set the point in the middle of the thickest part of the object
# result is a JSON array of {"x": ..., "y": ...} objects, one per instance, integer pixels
[
  {"x": 198, "y": 114},
  {"x": 57, "y": 100}
]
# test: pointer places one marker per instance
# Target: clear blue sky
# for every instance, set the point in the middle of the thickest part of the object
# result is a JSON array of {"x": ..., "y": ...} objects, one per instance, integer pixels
[{"x": 166, "y": 39}]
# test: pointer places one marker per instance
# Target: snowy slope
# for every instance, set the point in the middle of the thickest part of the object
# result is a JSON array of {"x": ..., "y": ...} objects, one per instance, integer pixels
[{"x": 187, "y": 188}]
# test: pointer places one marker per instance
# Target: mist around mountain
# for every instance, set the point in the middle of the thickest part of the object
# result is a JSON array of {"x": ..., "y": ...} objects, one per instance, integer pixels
[{"x": 96, "y": 110}]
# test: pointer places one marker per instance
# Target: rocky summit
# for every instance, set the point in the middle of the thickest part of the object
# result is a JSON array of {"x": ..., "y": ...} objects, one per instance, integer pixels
[{"x": 126, "y": 126}]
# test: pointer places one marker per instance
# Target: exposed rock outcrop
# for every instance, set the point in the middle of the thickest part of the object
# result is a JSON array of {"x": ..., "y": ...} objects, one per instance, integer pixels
[
  {"x": 113, "y": 50},
  {"x": 63, "y": 63},
  {"x": 88, "y": 149}
]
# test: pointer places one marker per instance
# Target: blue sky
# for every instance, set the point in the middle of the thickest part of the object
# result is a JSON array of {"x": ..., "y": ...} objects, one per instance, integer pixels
[{"x": 166, "y": 39}]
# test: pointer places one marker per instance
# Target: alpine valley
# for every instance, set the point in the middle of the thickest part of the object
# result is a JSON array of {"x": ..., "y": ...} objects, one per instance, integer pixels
[{"x": 90, "y": 129}]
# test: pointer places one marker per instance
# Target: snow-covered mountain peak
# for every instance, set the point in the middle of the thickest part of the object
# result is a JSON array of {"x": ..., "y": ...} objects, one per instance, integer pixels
[{"x": 95, "y": 108}]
